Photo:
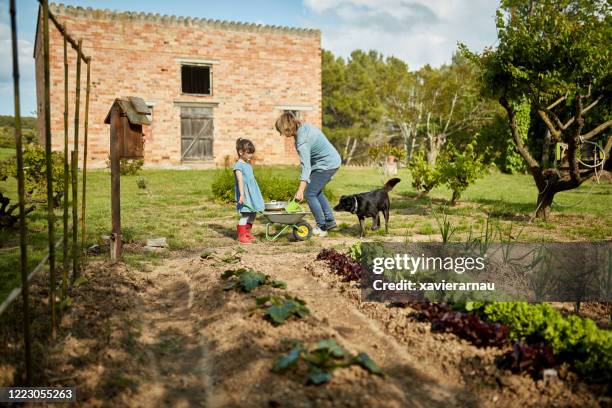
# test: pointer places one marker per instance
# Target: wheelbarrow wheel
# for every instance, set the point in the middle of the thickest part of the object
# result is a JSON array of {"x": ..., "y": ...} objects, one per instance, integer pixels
[{"x": 302, "y": 231}]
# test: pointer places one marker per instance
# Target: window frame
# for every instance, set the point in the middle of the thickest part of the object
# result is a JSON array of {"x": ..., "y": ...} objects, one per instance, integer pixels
[{"x": 196, "y": 64}]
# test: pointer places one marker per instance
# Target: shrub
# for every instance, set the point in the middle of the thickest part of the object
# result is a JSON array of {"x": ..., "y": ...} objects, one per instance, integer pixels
[
  {"x": 273, "y": 187},
  {"x": 29, "y": 130},
  {"x": 460, "y": 169},
  {"x": 276, "y": 187},
  {"x": 127, "y": 167},
  {"x": 223, "y": 186},
  {"x": 424, "y": 176},
  {"x": 35, "y": 172}
]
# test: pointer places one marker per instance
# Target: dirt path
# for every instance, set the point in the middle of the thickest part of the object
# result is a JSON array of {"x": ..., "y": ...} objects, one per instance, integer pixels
[
  {"x": 176, "y": 352},
  {"x": 131, "y": 340},
  {"x": 170, "y": 335}
]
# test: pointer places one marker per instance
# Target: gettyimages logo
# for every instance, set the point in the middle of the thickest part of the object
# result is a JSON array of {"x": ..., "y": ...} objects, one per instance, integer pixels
[
  {"x": 554, "y": 272},
  {"x": 412, "y": 264}
]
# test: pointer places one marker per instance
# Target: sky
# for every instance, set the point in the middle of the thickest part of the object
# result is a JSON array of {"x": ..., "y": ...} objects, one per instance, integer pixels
[{"x": 417, "y": 31}]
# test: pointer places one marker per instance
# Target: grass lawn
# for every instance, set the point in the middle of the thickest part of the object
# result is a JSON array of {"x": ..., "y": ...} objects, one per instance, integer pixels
[
  {"x": 178, "y": 205},
  {"x": 6, "y": 153}
]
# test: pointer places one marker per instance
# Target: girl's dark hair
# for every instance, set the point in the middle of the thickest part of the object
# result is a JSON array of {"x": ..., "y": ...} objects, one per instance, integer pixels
[{"x": 245, "y": 145}]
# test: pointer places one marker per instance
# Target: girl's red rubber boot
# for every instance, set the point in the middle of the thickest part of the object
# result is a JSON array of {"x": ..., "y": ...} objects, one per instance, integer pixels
[
  {"x": 242, "y": 234},
  {"x": 249, "y": 234}
]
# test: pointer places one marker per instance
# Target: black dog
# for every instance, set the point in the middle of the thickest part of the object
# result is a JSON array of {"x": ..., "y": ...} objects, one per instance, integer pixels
[{"x": 369, "y": 204}]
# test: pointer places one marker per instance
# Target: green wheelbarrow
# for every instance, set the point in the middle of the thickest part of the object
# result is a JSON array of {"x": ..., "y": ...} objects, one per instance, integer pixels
[{"x": 288, "y": 215}]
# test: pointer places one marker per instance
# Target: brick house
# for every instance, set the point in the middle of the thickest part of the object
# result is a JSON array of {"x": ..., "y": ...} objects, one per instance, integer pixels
[{"x": 208, "y": 82}]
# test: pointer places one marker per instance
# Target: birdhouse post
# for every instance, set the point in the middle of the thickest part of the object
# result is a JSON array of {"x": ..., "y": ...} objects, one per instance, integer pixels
[{"x": 126, "y": 117}]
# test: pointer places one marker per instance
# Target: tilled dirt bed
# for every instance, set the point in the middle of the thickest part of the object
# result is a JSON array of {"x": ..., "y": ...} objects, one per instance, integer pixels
[{"x": 170, "y": 335}]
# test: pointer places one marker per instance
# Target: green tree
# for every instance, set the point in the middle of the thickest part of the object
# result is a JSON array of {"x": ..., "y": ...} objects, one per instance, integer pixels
[
  {"x": 460, "y": 168},
  {"x": 557, "y": 56},
  {"x": 403, "y": 104},
  {"x": 433, "y": 104},
  {"x": 352, "y": 104},
  {"x": 503, "y": 153}
]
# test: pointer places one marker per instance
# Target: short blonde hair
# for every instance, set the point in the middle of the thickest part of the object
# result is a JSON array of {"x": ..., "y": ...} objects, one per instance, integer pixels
[{"x": 287, "y": 124}]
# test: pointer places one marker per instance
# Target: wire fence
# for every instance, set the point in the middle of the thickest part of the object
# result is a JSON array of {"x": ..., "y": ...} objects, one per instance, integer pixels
[{"x": 69, "y": 250}]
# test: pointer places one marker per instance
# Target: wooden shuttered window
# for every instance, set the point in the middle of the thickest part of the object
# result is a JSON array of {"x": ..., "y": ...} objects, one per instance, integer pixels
[{"x": 196, "y": 79}]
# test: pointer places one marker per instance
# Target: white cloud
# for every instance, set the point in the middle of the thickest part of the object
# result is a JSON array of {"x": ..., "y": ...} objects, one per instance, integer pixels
[
  {"x": 444, "y": 8},
  {"x": 24, "y": 51},
  {"x": 26, "y": 71},
  {"x": 417, "y": 31}
]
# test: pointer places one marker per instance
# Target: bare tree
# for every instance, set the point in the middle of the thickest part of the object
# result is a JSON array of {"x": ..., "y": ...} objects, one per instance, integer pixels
[{"x": 569, "y": 174}]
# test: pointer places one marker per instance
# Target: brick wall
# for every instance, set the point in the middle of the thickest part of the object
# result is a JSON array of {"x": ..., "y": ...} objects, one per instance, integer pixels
[{"x": 256, "y": 71}]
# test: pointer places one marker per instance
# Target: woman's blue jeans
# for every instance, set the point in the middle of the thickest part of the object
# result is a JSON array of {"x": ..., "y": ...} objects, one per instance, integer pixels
[{"x": 316, "y": 199}]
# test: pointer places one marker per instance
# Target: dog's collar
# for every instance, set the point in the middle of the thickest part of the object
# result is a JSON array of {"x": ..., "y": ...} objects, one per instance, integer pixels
[{"x": 354, "y": 210}]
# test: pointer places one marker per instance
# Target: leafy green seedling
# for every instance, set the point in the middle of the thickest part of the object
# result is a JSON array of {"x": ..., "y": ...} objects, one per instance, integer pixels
[
  {"x": 288, "y": 360},
  {"x": 280, "y": 308},
  {"x": 248, "y": 279},
  {"x": 231, "y": 258},
  {"x": 329, "y": 347},
  {"x": 366, "y": 362},
  {"x": 355, "y": 252},
  {"x": 317, "y": 376},
  {"x": 322, "y": 360},
  {"x": 207, "y": 255},
  {"x": 279, "y": 284}
]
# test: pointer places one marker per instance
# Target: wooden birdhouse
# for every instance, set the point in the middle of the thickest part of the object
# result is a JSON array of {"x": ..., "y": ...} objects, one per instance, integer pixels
[{"x": 126, "y": 117}]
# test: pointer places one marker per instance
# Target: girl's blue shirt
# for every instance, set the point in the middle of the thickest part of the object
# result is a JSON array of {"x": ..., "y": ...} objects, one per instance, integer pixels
[{"x": 252, "y": 194}]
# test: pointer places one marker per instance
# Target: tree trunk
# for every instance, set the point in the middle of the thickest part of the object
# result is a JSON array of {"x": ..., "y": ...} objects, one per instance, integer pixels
[
  {"x": 455, "y": 197},
  {"x": 436, "y": 142},
  {"x": 432, "y": 155},
  {"x": 346, "y": 147},
  {"x": 544, "y": 202},
  {"x": 350, "y": 155},
  {"x": 412, "y": 147},
  {"x": 405, "y": 132}
]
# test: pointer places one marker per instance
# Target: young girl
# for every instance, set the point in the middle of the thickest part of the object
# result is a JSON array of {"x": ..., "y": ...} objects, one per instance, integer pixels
[{"x": 246, "y": 190}]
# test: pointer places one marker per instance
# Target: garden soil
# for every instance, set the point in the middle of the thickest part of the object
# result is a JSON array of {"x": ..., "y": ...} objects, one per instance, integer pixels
[{"x": 168, "y": 334}]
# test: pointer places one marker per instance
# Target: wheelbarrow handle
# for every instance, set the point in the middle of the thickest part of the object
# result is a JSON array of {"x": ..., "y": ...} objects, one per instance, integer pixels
[{"x": 250, "y": 208}]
